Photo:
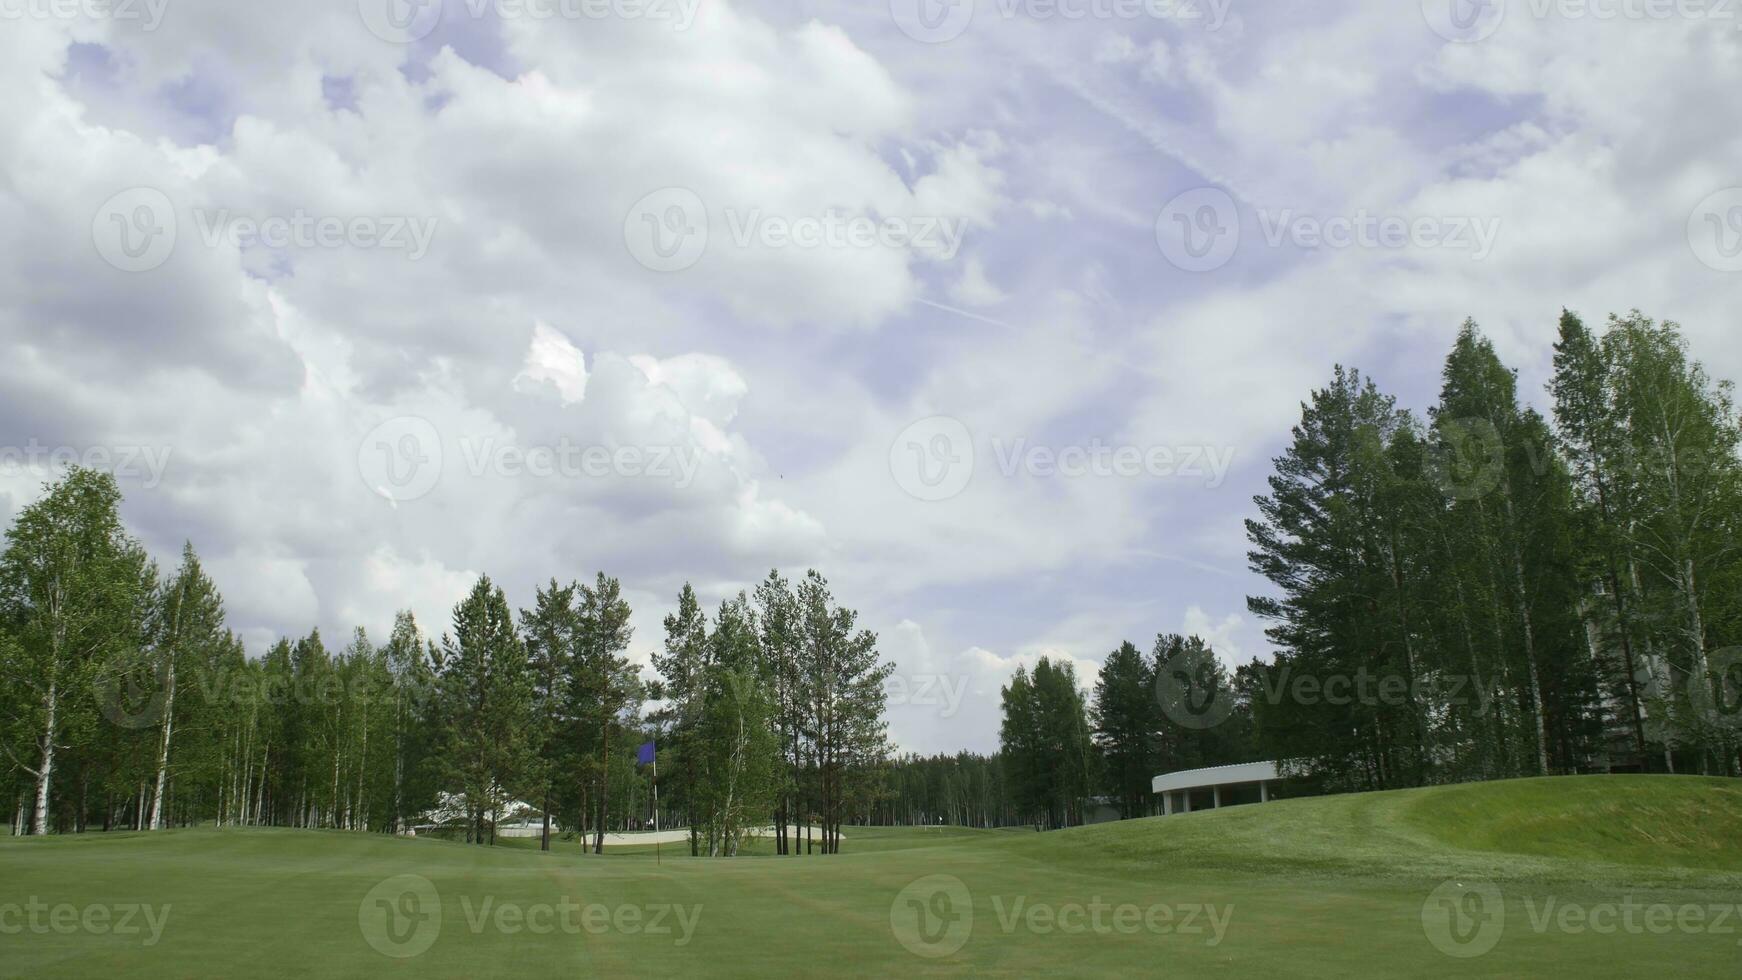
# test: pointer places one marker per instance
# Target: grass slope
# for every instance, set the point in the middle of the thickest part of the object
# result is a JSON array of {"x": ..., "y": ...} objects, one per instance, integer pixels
[{"x": 1319, "y": 887}]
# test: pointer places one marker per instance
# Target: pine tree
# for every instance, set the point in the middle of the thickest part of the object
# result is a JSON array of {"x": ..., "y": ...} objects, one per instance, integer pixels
[
  {"x": 489, "y": 693},
  {"x": 683, "y": 666},
  {"x": 551, "y": 631},
  {"x": 602, "y": 684},
  {"x": 1125, "y": 717}
]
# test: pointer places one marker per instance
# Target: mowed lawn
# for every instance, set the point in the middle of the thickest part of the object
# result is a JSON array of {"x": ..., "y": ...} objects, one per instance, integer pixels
[{"x": 1583, "y": 877}]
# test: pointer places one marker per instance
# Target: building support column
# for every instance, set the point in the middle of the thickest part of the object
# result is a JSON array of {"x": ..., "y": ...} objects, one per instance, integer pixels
[
  {"x": 1166, "y": 804},
  {"x": 1216, "y": 797},
  {"x": 1263, "y": 792}
]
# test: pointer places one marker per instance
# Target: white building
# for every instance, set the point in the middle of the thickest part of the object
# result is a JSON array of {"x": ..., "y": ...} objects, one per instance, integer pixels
[{"x": 1215, "y": 786}]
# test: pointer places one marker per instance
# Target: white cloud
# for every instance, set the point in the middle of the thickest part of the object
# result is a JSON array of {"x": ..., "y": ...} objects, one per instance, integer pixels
[
  {"x": 551, "y": 358},
  {"x": 783, "y": 374}
]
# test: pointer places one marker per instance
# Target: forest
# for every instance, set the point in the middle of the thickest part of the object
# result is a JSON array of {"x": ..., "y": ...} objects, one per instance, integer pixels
[
  {"x": 1480, "y": 592},
  {"x": 132, "y": 705}
]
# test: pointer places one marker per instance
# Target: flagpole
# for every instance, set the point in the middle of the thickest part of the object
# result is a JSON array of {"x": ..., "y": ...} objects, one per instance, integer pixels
[{"x": 656, "y": 806}]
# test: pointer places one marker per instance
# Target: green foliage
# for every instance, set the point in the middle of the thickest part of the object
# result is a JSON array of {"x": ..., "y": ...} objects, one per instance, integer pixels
[
  {"x": 1049, "y": 759},
  {"x": 1540, "y": 600}
]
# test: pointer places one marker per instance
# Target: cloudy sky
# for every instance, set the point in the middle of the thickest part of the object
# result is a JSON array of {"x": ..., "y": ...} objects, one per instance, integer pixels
[{"x": 994, "y": 311}]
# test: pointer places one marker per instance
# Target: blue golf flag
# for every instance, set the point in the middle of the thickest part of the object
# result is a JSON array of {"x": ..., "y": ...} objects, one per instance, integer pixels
[{"x": 646, "y": 754}]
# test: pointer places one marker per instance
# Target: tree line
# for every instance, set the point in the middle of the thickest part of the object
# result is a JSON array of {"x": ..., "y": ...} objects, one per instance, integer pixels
[
  {"x": 1484, "y": 593},
  {"x": 1063, "y": 750},
  {"x": 773, "y": 709},
  {"x": 962, "y": 790},
  {"x": 1501, "y": 593},
  {"x": 130, "y": 704},
  {"x": 1481, "y": 593}
]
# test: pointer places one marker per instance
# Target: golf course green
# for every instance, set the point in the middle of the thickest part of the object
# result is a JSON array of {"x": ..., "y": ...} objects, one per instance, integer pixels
[{"x": 1573, "y": 876}]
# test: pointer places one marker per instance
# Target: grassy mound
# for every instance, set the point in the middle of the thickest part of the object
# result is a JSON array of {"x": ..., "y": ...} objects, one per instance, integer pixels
[
  {"x": 1653, "y": 821},
  {"x": 1621, "y": 829}
]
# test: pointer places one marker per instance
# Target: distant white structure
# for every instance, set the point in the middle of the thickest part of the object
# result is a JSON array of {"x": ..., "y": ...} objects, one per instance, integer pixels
[
  {"x": 1176, "y": 787},
  {"x": 512, "y": 818}
]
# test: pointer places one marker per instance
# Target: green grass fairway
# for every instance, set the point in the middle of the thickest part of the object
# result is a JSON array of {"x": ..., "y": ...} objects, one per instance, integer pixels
[{"x": 1583, "y": 877}]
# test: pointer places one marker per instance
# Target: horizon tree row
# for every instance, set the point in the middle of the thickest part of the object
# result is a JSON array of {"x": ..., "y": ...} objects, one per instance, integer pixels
[
  {"x": 1529, "y": 598},
  {"x": 129, "y": 703},
  {"x": 774, "y": 713}
]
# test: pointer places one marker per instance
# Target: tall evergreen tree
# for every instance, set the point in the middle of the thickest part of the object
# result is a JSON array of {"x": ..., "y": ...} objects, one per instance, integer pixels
[
  {"x": 602, "y": 684},
  {"x": 489, "y": 693},
  {"x": 551, "y": 630},
  {"x": 1125, "y": 716}
]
